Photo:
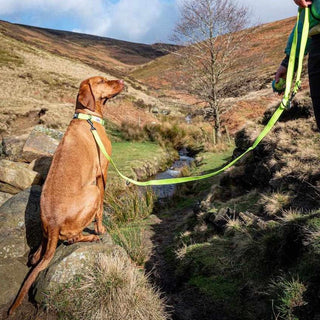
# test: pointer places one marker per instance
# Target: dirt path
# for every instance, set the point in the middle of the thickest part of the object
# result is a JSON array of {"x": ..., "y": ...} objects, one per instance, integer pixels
[{"x": 184, "y": 302}]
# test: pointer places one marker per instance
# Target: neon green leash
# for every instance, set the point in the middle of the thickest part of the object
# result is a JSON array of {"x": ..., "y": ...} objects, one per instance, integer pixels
[{"x": 285, "y": 104}]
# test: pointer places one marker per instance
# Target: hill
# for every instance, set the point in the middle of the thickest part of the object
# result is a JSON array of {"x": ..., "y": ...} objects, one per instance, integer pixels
[
  {"x": 153, "y": 76},
  {"x": 105, "y": 54},
  {"x": 41, "y": 71},
  {"x": 246, "y": 87}
]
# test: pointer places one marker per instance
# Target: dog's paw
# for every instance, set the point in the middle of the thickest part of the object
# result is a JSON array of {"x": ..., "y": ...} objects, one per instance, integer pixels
[
  {"x": 95, "y": 238},
  {"x": 100, "y": 229}
]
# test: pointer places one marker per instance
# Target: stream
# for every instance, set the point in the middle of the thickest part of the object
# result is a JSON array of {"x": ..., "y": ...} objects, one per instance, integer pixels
[{"x": 167, "y": 191}]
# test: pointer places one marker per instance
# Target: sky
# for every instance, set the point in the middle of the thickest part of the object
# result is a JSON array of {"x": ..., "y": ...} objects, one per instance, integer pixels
[{"x": 144, "y": 21}]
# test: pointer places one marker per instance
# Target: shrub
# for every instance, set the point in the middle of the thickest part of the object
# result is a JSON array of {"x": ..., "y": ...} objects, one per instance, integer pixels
[
  {"x": 174, "y": 134},
  {"x": 112, "y": 289}
]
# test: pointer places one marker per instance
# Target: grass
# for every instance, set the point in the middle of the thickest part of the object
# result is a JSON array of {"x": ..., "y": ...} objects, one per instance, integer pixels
[
  {"x": 218, "y": 288},
  {"x": 133, "y": 205},
  {"x": 289, "y": 295},
  {"x": 112, "y": 289},
  {"x": 213, "y": 160},
  {"x": 132, "y": 238},
  {"x": 138, "y": 159},
  {"x": 8, "y": 58}
]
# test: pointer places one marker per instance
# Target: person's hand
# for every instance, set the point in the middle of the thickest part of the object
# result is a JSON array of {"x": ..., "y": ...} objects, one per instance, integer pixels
[
  {"x": 281, "y": 73},
  {"x": 303, "y": 3}
]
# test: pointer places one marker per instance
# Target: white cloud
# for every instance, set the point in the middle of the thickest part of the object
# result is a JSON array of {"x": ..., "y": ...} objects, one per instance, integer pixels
[
  {"x": 128, "y": 19},
  {"x": 132, "y": 20}
]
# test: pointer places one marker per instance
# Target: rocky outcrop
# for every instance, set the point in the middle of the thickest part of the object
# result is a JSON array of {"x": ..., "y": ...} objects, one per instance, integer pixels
[
  {"x": 17, "y": 176},
  {"x": 41, "y": 142},
  {"x": 12, "y": 274},
  {"x": 70, "y": 261},
  {"x": 20, "y": 234},
  {"x": 20, "y": 227}
]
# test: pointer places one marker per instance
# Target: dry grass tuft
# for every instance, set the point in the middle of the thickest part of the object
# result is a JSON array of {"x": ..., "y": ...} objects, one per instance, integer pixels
[
  {"x": 275, "y": 203},
  {"x": 113, "y": 289},
  {"x": 291, "y": 216}
]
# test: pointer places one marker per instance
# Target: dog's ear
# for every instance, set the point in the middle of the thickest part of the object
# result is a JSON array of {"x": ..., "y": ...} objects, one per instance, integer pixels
[{"x": 85, "y": 96}]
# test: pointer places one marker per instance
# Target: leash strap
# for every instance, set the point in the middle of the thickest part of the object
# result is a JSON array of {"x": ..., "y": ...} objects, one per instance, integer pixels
[{"x": 285, "y": 104}]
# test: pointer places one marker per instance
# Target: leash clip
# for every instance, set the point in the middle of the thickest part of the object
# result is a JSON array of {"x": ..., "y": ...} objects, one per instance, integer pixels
[
  {"x": 91, "y": 124},
  {"x": 288, "y": 106}
]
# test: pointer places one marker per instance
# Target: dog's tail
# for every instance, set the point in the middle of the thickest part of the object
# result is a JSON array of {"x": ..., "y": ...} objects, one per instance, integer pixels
[{"x": 53, "y": 238}]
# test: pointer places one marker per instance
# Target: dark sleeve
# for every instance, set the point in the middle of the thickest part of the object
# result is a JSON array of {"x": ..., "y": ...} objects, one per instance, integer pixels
[{"x": 285, "y": 61}]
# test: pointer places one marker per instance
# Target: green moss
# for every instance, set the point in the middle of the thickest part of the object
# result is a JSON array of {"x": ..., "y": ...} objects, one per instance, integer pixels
[
  {"x": 218, "y": 288},
  {"x": 314, "y": 224},
  {"x": 247, "y": 202}
]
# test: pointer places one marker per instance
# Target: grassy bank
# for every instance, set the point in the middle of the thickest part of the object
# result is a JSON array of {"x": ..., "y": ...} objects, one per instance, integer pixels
[{"x": 138, "y": 160}]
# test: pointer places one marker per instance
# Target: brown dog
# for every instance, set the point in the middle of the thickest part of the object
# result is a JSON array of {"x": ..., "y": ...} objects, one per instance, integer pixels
[{"x": 72, "y": 195}]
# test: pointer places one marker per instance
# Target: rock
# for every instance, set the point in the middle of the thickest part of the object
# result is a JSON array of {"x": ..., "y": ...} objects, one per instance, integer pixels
[
  {"x": 16, "y": 174},
  {"x": 4, "y": 197},
  {"x": 12, "y": 147},
  {"x": 7, "y": 188},
  {"x": 68, "y": 261},
  {"x": 20, "y": 227},
  {"x": 41, "y": 142},
  {"x": 41, "y": 165},
  {"x": 12, "y": 274}
]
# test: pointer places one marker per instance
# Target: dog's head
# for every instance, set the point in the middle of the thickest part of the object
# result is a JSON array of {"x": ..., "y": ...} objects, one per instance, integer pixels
[{"x": 94, "y": 92}]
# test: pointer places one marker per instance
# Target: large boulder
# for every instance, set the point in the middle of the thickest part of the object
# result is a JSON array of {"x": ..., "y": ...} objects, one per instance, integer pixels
[
  {"x": 20, "y": 226},
  {"x": 16, "y": 176},
  {"x": 20, "y": 231},
  {"x": 12, "y": 274},
  {"x": 69, "y": 261},
  {"x": 41, "y": 142}
]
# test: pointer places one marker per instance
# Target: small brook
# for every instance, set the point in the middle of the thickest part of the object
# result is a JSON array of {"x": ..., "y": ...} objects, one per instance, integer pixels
[{"x": 174, "y": 171}]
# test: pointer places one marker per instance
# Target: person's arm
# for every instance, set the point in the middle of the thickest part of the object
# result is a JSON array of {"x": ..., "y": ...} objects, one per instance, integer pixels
[
  {"x": 282, "y": 70},
  {"x": 303, "y": 3}
]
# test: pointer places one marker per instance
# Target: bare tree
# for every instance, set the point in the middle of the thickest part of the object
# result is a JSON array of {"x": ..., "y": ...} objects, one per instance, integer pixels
[{"x": 209, "y": 30}]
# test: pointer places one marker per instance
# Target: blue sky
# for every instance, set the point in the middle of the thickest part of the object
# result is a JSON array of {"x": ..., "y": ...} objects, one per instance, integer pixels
[{"x": 146, "y": 21}]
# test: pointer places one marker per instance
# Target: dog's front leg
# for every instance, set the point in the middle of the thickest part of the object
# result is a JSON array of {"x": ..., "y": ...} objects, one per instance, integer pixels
[{"x": 99, "y": 228}]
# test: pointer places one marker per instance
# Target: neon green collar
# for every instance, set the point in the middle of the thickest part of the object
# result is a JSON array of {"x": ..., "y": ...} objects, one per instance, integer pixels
[{"x": 83, "y": 116}]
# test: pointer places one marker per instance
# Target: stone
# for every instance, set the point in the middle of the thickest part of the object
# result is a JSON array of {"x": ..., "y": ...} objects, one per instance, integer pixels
[
  {"x": 12, "y": 274},
  {"x": 16, "y": 174},
  {"x": 4, "y": 197},
  {"x": 69, "y": 261},
  {"x": 7, "y": 188},
  {"x": 41, "y": 165},
  {"x": 41, "y": 142},
  {"x": 20, "y": 226},
  {"x": 12, "y": 147}
]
